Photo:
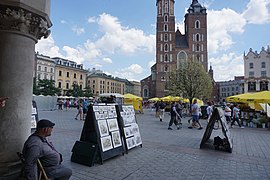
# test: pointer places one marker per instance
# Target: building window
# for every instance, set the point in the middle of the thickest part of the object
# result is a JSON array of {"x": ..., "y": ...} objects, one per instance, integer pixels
[
  {"x": 166, "y": 48},
  {"x": 45, "y": 69},
  {"x": 161, "y": 37},
  {"x": 166, "y": 69},
  {"x": 45, "y": 76},
  {"x": 60, "y": 73},
  {"x": 166, "y": 37},
  {"x": 263, "y": 64},
  {"x": 94, "y": 81},
  {"x": 81, "y": 77},
  {"x": 161, "y": 47},
  {"x": 250, "y": 65},
  {"x": 51, "y": 77},
  {"x": 166, "y": 58},
  {"x": 197, "y": 24},
  {"x": 165, "y": 18},
  {"x": 67, "y": 74},
  {"x": 51, "y": 70},
  {"x": 161, "y": 58},
  {"x": 263, "y": 73},
  {"x": 165, "y": 27},
  {"x": 75, "y": 75},
  {"x": 67, "y": 85},
  {"x": 80, "y": 87},
  {"x": 198, "y": 48},
  {"x": 251, "y": 74},
  {"x": 39, "y": 68},
  {"x": 197, "y": 37},
  {"x": 163, "y": 78},
  {"x": 251, "y": 86},
  {"x": 59, "y": 85},
  {"x": 39, "y": 76}
]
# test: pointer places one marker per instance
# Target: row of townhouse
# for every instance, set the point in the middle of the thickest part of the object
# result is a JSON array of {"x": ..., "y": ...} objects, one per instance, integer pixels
[
  {"x": 256, "y": 75},
  {"x": 65, "y": 73}
]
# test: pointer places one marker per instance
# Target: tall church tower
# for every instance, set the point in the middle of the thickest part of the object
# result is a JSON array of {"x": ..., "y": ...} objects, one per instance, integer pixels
[
  {"x": 165, "y": 44},
  {"x": 175, "y": 47}
]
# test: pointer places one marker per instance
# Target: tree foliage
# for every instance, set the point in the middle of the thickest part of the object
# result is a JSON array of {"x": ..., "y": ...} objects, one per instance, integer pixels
[
  {"x": 75, "y": 91},
  {"x": 45, "y": 87},
  {"x": 190, "y": 81},
  {"x": 88, "y": 92}
]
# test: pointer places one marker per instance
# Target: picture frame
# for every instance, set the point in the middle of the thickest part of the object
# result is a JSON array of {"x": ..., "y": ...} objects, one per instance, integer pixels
[
  {"x": 128, "y": 132},
  {"x": 95, "y": 108},
  {"x": 116, "y": 139},
  {"x": 112, "y": 124},
  {"x": 103, "y": 128},
  {"x": 33, "y": 121},
  {"x": 97, "y": 115},
  {"x": 106, "y": 143},
  {"x": 130, "y": 142}
]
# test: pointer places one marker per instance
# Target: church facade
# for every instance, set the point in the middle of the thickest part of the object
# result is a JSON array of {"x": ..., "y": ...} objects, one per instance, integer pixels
[{"x": 174, "y": 47}]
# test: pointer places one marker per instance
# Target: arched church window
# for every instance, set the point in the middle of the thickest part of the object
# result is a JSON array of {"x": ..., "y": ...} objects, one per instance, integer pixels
[
  {"x": 181, "y": 59},
  {"x": 166, "y": 27},
  {"x": 197, "y": 24},
  {"x": 198, "y": 47},
  {"x": 166, "y": 47},
  {"x": 197, "y": 37},
  {"x": 166, "y": 58},
  {"x": 165, "y": 37},
  {"x": 165, "y": 18}
]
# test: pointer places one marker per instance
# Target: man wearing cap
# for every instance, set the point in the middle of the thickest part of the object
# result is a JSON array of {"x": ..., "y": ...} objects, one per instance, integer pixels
[{"x": 37, "y": 147}]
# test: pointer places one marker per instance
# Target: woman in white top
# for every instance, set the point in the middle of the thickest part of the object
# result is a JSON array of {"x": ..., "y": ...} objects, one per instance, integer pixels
[{"x": 228, "y": 113}]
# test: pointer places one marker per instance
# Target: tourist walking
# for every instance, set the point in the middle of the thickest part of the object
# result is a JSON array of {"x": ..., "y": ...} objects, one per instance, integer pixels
[
  {"x": 161, "y": 110},
  {"x": 236, "y": 116},
  {"x": 228, "y": 113},
  {"x": 209, "y": 110},
  {"x": 80, "y": 111},
  {"x": 195, "y": 112},
  {"x": 173, "y": 120}
]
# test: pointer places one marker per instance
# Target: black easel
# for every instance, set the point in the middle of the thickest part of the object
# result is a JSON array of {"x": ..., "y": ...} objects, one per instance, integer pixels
[
  {"x": 218, "y": 115},
  {"x": 100, "y": 134}
]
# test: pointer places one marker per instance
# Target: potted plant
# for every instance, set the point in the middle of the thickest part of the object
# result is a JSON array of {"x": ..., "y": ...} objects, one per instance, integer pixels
[{"x": 263, "y": 121}]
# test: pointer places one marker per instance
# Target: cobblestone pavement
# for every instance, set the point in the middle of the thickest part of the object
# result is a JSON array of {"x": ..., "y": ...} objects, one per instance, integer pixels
[{"x": 168, "y": 154}]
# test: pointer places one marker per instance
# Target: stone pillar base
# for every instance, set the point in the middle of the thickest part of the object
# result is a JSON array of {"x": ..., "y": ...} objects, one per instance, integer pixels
[{"x": 10, "y": 171}]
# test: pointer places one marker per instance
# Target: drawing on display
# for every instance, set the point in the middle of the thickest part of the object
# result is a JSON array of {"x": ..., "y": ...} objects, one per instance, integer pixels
[
  {"x": 116, "y": 139},
  {"x": 106, "y": 143},
  {"x": 95, "y": 108},
  {"x": 130, "y": 142},
  {"x": 34, "y": 110},
  {"x": 103, "y": 128},
  {"x": 112, "y": 124}
]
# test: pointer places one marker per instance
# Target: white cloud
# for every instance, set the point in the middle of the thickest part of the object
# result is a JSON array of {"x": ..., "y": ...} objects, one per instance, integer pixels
[
  {"x": 227, "y": 66},
  {"x": 257, "y": 12},
  {"x": 63, "y": 22},
  {"x": 107, "y": 60},
  {"x": 78, "y": 30},
  {"x": 130, "y": 73},
  {"x": 47, "y": 47},
  {"x": 117, "y": 38},
  {"x": 223, "y": 23},
  {"x": 91, "y": 19}
]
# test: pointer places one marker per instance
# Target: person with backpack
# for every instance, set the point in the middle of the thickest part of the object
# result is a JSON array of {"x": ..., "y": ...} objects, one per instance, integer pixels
[
  {"x": 209, "y": 110},
  {"x": 236, "y": 116}
]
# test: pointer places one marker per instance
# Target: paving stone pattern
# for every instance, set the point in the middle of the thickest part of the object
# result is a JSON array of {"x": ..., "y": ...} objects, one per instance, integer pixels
[{"x": 168, "y": 154}]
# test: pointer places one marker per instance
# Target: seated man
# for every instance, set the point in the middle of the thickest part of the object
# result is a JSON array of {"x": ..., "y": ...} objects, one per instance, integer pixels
[{"x": 37, "y": 147}]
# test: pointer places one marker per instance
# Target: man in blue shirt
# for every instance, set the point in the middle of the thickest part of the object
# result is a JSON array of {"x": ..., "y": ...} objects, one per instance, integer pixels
[{"x": 37, "y": 147}]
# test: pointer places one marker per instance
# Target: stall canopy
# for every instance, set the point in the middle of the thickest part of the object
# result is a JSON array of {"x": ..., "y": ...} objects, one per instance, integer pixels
[
  {"x": 136, "y": 101},
  {"x": 155, "y": 99}
]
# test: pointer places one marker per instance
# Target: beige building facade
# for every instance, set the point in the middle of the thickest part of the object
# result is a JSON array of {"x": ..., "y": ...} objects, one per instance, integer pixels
[
  {"x": 100, "y": 82},
  {"x": 68, "y": 73},
  {"x": 136, "y": 88}
]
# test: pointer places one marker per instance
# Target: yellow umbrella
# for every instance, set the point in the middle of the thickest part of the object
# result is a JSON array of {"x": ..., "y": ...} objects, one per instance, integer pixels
[
  {"x": 259, "y": 97},
  {"x": 256, "y": 106},
  {"x": 238, "y": 97},
  {"x": 154, "y": 99},
  {"x": 131, "y": 96}
]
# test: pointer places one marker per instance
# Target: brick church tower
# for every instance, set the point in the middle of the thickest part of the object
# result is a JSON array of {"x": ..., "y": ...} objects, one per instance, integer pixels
[{"x": 174, "y": 47}]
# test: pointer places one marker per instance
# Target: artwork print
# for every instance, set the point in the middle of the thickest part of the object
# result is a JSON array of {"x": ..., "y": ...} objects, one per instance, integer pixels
[
  {"x": 116, "y": 139},
  {"x": 34, "y": 110},
  {"x": 112, "y": 124},
  {"x": 103, "y": 128},
  {"x": 106, "y": 143}
]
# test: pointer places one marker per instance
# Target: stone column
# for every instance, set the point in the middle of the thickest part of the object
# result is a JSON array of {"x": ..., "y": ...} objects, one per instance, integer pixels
[{"x": 22, "y": 24}]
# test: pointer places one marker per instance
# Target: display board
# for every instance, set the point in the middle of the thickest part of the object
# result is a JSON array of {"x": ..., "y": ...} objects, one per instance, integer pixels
[
  {"x": 102, "y": 130},
  {"x": 129, "y": 127},
  {"x": 218, "y": 115},
  {"x": 34, "y": 116}
]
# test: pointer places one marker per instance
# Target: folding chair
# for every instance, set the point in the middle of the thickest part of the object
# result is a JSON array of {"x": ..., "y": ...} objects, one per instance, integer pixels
[{"x": 41, "y": 172}]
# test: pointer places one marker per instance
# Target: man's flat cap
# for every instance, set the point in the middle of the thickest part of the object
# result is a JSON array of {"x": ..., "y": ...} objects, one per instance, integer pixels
[{"x": 44, "y": 123}]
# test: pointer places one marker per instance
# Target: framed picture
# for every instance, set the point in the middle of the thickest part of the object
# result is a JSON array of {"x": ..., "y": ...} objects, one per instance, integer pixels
[
  {"x": 130, "y": 142},
  {"x": 138, "y": 139},
  {"x": 106, "y": 143},
  {"x": 110, "y": 115},
  {"x": 128, "y": 132},
  {"x": 112, "y": 124},
  {"x": 106, "y": 115},
  {"x": 103, "y": 128},
  {"x": 116, "y": 139},
  {"x": 95, "y": 108},
  {"x": 97, "y": 115},
  {"x": 101, "y": 116}
]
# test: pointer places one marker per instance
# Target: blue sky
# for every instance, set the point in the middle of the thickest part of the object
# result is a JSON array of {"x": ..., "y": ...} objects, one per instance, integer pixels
[{"x": 118, "y": 36}]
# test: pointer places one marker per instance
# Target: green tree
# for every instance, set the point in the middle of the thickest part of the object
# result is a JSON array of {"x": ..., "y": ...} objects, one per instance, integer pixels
[
  {"x": 36, "y": 91},
  {"x": 88, "y": 92},
  {"x": 47, "y": 87},
  {"x": 75, "y": 91},
  {"x": 190, "y": 81}
]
